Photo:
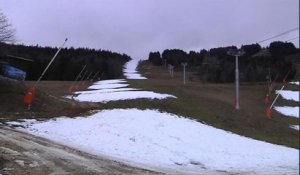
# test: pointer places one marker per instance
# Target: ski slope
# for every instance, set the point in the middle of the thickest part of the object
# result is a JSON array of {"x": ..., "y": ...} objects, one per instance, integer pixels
[
  {"x": 161, "y": 141},
  {"x": 167, "y": 142}
]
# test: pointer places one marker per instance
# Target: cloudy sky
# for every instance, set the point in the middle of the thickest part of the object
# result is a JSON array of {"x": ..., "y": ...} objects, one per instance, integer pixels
[{"x": 136, "y": 27}]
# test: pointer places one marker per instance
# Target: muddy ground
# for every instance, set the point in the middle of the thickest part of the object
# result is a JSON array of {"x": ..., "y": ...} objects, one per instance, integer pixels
[{"x": 22, "y": 153}]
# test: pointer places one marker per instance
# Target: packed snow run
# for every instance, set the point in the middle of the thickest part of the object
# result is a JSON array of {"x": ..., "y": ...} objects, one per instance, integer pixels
[
  {"x": 130, "y": 70},
  {"x": 158, "y": 140}
]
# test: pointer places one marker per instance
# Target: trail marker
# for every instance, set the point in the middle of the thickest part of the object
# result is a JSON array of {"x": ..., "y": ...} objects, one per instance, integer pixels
[{"x": 30, "y": 97}]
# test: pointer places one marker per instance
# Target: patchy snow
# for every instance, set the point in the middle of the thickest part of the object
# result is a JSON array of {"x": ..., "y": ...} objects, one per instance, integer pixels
[
  {"x": 289, "y": 95},
  {"x": 108, "y": 86},
  {"x": 105, "y": 91},
  {"x": 130, "y": 70},
  {"x": 114, "y": 90},
  {"x": 288, "y": 110},
  {"x": 296, "y": 127},
  {"x": 163, "y": 140},
  {"x": 113, "y": 81},
  {"x": 295, "y": 82},
  {"x": 120, "y": 95}
]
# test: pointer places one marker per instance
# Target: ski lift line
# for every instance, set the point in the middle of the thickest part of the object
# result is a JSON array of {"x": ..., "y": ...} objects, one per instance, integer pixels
[
  {"x": 50, "y": 63},
  {"x": 292, "y": 39},
  {"x": 283, "y": 33}
]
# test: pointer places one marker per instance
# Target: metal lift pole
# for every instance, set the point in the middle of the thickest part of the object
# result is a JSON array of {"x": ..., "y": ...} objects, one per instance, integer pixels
[{"x": 50, "y": 63}]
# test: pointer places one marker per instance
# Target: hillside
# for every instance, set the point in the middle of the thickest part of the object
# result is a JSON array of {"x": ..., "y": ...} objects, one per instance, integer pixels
[
  {"x": 213, "y": 104},
  {"x": 207, "y": 103},
  {"x": 49, "y": 101},
  {"x": 181, "y": 144}
]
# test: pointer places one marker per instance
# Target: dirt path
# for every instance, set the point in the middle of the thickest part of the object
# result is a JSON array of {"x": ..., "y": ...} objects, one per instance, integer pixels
[{"x": 22, "y": 153}]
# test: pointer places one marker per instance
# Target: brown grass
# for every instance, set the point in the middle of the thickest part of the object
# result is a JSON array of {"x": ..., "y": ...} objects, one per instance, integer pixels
[
  {"x": 214, "y": 104},
  {"x": 205, "y": 102},
  {"x": 49, "y": 100}
]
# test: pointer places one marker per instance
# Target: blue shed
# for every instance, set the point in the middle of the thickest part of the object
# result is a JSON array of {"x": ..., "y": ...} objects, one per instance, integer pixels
[{"x": 13, "y": 72}]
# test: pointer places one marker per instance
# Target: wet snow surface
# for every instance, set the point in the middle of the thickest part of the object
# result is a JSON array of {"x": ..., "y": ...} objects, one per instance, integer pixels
[{"x": 166, "y": 141}]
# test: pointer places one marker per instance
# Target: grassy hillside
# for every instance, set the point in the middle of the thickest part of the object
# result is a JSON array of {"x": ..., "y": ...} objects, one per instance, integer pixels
[
  {"x": 208, "y": 103},
  {"x": 49, "y": 101},
  {"x": 213, "y": 104}
]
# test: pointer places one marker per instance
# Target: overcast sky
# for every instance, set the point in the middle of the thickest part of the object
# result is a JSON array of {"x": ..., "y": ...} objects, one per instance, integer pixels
[{"x": 136, "y": 27}]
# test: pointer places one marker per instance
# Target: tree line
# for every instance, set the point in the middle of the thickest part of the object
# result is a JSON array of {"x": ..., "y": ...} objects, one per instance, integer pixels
[
  {"x": 216, "y": 65},
  {"x": 68, "y": 63}
]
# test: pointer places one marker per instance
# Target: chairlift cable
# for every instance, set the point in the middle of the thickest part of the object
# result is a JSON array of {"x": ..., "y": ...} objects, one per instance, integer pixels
[{"x": 283, "y": 33}]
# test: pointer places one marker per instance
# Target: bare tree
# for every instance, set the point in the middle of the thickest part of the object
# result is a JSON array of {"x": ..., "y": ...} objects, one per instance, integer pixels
[{"x": 7, "y": 32}]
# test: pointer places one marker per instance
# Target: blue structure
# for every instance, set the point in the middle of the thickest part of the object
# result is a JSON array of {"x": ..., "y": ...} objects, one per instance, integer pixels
[{"x": 12, "y": 72}]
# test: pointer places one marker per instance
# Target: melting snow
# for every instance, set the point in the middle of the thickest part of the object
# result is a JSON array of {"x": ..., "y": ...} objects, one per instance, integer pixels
[
  {"x": 114, "y": 81},
  {"x": 289, "y": 95},
  {"x": 163, "y": 140},
  {"x": 288, "y": 110},
  {"x": 97, "y": 85},
  {"x": 295, "y": 82},
  {"x": 130, "y": 70},
  {"x": 120, "y": 95},
  {"x": 105, "y": 90},
  {"x": 114, "y": 90},
  {"x": 296, "y": 127}
]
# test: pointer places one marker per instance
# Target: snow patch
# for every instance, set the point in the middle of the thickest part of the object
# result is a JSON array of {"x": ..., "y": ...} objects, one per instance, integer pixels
[
  {"x": 108, "y": 86},
  {"x": 165, "y": 140},
  {"x": 114, "y": 81},
  {"x": 130, "y": 70},
  {"x": 296, "y": 127},
  {"x": 289, "y": 95},
  {"x": 295, "y": 82},
  {"x": 105, "y": 91},
  {"x": 20, "y": 162},
  {"x": 288, "y": 110},
  {"x": 115, "y": 96}
]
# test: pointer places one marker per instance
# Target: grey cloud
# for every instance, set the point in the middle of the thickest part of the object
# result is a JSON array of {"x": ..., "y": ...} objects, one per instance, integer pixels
[{"x": 136, "y": 27}]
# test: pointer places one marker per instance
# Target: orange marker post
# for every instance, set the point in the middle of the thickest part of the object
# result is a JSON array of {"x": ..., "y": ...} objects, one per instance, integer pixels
[
  {"x": 269, "y": 112},
  {"x": 30, "y": 97}
]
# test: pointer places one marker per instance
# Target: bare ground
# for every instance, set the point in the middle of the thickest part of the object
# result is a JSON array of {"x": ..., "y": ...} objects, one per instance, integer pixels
[{"x": 23, "y": 153}]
